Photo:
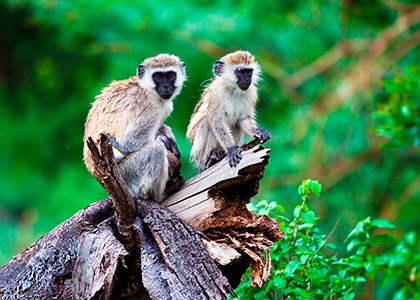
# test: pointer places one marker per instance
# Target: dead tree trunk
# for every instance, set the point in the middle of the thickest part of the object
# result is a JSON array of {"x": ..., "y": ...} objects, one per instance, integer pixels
[{"x": 119, "y": 248}]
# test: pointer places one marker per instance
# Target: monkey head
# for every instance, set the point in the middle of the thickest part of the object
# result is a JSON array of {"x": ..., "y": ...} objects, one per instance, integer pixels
[
  {"x": 238, "y": 69},
  {"x": 163, "y": 74}
]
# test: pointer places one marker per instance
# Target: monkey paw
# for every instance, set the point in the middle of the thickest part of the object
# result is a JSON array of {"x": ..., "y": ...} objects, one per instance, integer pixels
[
  {"x": 262, "y": 135},
  {"x": 174, "y": 183},
  {"x": 234, "y": 156},
  {"x": 169, "y": 145},
  {"x": 216, "y": 155}
]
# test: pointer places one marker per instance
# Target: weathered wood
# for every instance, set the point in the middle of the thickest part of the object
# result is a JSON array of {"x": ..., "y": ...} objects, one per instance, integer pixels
[
  {"x": 189, "y": 271},
  {"x": 100, "y": 254},
  {"x": 214, "y": 202},
  {"x": 193, "y": 203},
  {"x": 110, "y": 178},
  {"x": 45, "y": 269},
  {"x": 83, "y": 258},
  {"x": 181, "y": 248}
]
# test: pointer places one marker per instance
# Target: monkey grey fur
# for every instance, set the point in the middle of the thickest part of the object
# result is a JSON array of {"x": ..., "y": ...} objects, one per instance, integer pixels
[
  {"x": 132, "y": 112},
  {"x": 226, "y": 111}
]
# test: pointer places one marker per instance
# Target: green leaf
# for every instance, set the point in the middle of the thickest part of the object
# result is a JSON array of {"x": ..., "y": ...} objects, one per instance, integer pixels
[
  {"x": 251, "y": 206},
  {"x": 342, "y": 273},
  {"x": 315, "y": 187},
  {"x": 369, "y": 266},
  {"x": 382, "y": 260},
  {"x": 280, "y": 282},
  {"x": 281, "y": 218},
  {"x": 309, "y": 217},
  {"x": 279, "y": 208},
  {"x": 296, "y": 211},
  {"x": 315, "y": 275},
  {"x": 353, "y": 243},
  {"x": 262, "y": 203},
  {"x": 301, "y": 188},
  {"x": 384, "y": 238},
  {"x": 304, "y": 259},
  {"x": 410, "y": 238},
  {"x": 400, "y": 294},
  {"x": 356, "y": 261},
  {"x": 291, "y": 268},
  {"x": 331, "y": 245},
  {"x": 381, "y": 223},
  {"x": 321, "y": 244},
  {"x": 361, "y": 250},
  {"x": 360, "y": 228},
  {"x": 303, "y": 293},
  {"x": 405, "y": 111},
  {"x": 349, "y": 296}
]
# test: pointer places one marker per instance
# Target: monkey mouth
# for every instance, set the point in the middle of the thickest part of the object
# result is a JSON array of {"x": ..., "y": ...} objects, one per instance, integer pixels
[
  {"x": 243, "y": 86},
  {"x": 166, "y": 96}
]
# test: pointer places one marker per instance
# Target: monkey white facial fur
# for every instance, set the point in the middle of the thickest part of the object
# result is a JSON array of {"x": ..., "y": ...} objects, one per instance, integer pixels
[
  {"x": 132, "y": 112},
  {"x": 226, "y": 111}
]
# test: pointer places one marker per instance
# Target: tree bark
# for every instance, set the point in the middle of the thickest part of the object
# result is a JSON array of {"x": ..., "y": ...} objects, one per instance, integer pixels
[{"x": 120, "y": 248}]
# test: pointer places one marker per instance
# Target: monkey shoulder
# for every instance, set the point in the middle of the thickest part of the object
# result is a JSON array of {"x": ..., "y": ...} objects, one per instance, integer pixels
[{"x": 122, "y": 95}]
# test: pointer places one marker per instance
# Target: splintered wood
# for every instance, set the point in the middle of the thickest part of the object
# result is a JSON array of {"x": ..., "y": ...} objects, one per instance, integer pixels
[
  {"x": 118, "y": 248},
  {"x": 193, "y": 202},
  {"x": 214, "y": 202}
]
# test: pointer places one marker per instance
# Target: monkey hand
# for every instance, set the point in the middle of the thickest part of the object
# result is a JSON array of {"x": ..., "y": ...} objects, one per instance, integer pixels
[
  {"x": 234, "y": 155},
  {"x": 262, "y": 135},
  {"x": 170, "y": 145},
  {"x": 175, "y": 180},
  {"x": 174, "y": 164}
]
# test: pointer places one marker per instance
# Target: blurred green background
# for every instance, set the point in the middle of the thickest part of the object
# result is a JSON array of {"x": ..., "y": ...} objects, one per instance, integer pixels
[{"x": 324, "y": 64}]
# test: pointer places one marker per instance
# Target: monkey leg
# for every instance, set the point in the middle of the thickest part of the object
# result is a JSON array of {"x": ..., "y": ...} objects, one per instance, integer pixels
[
  {"x": 216, "y": 155},
  {"x": 146, "y": 171}
]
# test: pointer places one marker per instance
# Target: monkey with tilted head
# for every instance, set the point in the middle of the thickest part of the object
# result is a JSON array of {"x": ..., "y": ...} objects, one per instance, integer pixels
[
  {"x": 226, "y": 111},
  {"x": 131, "y": 113}
]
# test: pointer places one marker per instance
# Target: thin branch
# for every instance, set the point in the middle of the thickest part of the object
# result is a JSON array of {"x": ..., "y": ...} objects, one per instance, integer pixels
[
  {"x": 328, "y": 237},
  {"x": 362, "y": 75},
  {"x": 320, "y": 65}
]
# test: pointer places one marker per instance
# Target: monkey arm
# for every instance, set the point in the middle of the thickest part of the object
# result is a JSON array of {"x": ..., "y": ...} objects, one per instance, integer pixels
[
  {"x": 225, "y": 138},
  {"x": 223, "y": 134},
  {"x": 119, "y": 150},
  {"x": 250, "y": 127}
]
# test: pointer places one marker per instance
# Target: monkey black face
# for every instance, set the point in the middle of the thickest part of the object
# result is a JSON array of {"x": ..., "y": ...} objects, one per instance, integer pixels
[
  {"x": 165, "y": 83},
  {"x": 244, "y": 76}
]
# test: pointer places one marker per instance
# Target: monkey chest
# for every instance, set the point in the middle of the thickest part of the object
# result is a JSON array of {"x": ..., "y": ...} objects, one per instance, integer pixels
[{"x": 232, "y": 117}]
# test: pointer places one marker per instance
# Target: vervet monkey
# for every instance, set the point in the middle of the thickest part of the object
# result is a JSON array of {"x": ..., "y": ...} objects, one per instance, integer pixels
[
  {"x": 226, "y": 111},
  {"x": 132, "y": 112}
]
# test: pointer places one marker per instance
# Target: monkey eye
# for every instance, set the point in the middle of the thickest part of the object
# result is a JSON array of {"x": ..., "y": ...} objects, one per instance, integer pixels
[
  {"x": 171, "y": 75},
  {"x": 240, "y": 71},
  {"x": 157, "y": 76}
]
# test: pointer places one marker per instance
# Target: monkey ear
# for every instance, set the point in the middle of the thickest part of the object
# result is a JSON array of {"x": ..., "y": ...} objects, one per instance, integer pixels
[
  {"x": 182, "y": 66},
  {"x": 218, "y": 68},
  {"x": 140, "y": 71}
]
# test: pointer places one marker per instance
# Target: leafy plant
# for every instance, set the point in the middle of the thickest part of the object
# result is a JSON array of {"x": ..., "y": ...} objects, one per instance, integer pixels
[
  {"x": 398, "y": 116},
  {"x": 305, "y": 265}
]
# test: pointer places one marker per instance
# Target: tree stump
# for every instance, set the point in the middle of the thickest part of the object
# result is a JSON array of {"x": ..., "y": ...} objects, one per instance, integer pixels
[{"x": 195, "y": 245}]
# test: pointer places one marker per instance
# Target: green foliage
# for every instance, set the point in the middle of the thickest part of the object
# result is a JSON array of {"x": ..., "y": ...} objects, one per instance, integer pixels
[
  {"x": 398, "y": 117},
  {"x": 305, "y": 265},
  {"x": 321, "y": 63}
]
